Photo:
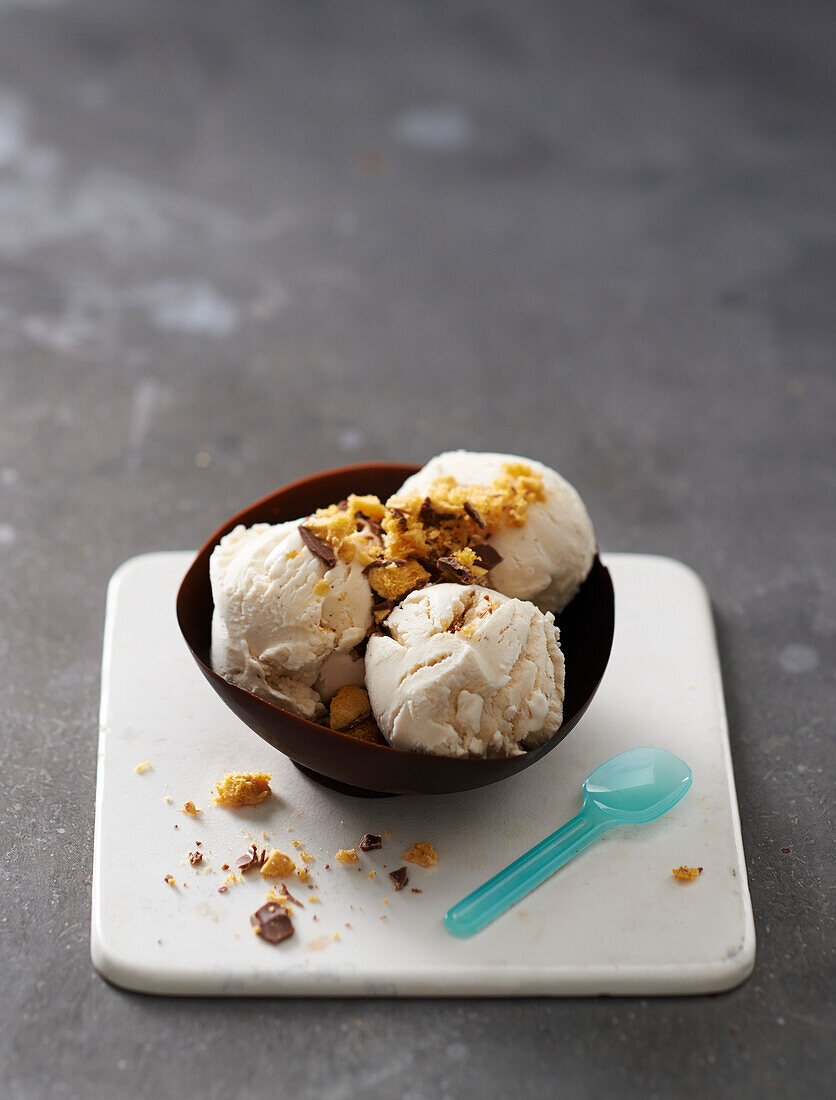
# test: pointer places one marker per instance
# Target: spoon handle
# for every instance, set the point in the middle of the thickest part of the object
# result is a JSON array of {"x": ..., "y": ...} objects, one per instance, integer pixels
[{"x": 491, "y": 899}]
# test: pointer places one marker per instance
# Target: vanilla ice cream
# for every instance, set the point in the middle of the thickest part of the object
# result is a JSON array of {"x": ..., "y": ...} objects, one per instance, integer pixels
[
  {"x": 281, "y": 613},
  {"x": 548, "y": 558},
  {"x": 466, "y": 671}
]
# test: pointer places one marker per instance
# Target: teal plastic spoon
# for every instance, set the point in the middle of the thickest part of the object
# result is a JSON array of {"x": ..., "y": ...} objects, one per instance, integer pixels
[{"x": 634, "y": 787}]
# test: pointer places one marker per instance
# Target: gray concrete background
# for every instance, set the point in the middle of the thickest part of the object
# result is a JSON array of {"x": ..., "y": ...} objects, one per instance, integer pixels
[{"x": 291, "y": 235}]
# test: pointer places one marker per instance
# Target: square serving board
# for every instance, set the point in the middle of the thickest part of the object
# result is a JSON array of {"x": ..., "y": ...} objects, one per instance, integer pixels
[{"x": 613, "y": 921}]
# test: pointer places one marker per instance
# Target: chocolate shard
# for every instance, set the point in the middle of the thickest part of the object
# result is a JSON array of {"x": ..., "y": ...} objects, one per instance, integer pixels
[
  {"x": 382, "y": 563},
  {"x": 474, "y": 515},
  {"x": 486, "y": 555},
  {"x": 195, "y": 858},
  {"x": 272, "y": 922},
  {"x": 370, "y": 842},
  {"x": 431, "y": 567},
  {"x": 372, "y": 524},
  {"x": 399, "y": 878},
  {"x": 400, "y": 518},
  {"x": 429, "y": 515},
  {"x": 316, "y": 546},
  {"x": 381, "y": 604},
  {"x": 290, "y": 896},
  {"x": 249, "y": 861},
  {"x": 453, "y": 570}
]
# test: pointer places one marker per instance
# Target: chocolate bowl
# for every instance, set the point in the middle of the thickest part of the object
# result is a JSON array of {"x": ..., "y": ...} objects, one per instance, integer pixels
[{"x": 358, "y": 767}]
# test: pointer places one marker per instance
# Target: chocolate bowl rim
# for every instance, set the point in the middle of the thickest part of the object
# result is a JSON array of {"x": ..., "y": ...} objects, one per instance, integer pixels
[{"x": 465, "y": 773}]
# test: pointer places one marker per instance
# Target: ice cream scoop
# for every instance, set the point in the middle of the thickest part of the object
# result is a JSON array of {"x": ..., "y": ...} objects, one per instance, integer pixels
[
  {"x": 281, "y": 612},
  {"x": 546, "y": 559},
  {"x": 465, "y": 671},
  {"x": 632, "y": 788}
]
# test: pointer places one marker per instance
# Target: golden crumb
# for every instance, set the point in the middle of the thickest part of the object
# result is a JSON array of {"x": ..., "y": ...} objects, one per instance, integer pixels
[
  {"x": 167, "y": 798},
  {"x": 347, "y": 855},
  {"x": 392, "y": 581},
  {"x": 322, "y": 588},
  {"x": 367, "y": 730},
  {"x": 421, "y": 853},
  {"x": 686, "y": 874},
  {"x": 307, "y": 857},
  {"x": 313, "y": 897},
  {"x": 170, "y": 880},
  {"x": 303, "y": 874},
  {"x": 383, "y": 917},
  {"x": 297, "y": 843},
  {"x": 385, "y": 901},
  {"x": 336, "y": 936},
  {"x": 448, "y": 517},
  {"x": 277, "y": 865},
  {"x": 349, "y": 706},
  {"x": 372, "y": 874},
  {"x": 387, "y": 832},
  {"x": 243, "y": 788},
  {"x": 190, "y": 809},
  {"x": 143, "y": 767}
]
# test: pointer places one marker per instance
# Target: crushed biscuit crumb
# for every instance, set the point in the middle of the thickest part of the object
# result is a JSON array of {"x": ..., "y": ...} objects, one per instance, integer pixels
[
  {"x": 277, "y": 865},
  {"x": 421, "y": 853},
  {"x": 349, "y": 706},
  {"x": 190, "y": 809},
  {"x": 303, "y": 874},
  {"x": 243, "y": 788},
  {"x": 347, "y": 855},
  {"x": 143, "y": 767},
  {"x": 314, "y": 897},
  {"x": 686, "y": 874}
]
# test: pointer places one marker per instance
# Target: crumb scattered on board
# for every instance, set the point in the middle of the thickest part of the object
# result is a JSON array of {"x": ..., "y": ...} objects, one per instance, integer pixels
[
  {"x": 686, "y": 874},
  {"x": 421, "y": 853},
  {"x": 277, "y": 865},
  {"x": 143, "y": 767},
  {"x": 190, "y": 808},
  {"x": 347, "y": 855},
  {"x": 243, "y": 788}
]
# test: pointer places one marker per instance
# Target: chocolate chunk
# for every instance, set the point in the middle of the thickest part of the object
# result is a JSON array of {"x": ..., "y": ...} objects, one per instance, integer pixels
[
  {"x": 382, "y": 563},
  {"x": 474, "y": 515},
  {"x": 195, "y": 858},
  {"x": 458, "y": 622},
  {"x": 224, "y": 866},
  {"x": 370, "y": 842},
  {"x": 430, "y": 516},
  {"x": 272, "y": 923},
  {"x": 453, "y": 570},
  {"x": 316, "y": 546},
  {"x": 431, "y": 567},
  {"x": 223, "y": 889},
  {"x": 400, "y": 517},
  {"x": 399, "y": 878},
  {"x": 414, "y": 891},
  {"x": 372, "y": 524},
  {"x": 249, "y": 861},
  {"x": 380, "y": 604},
  {"x": 486, "y": 555}
]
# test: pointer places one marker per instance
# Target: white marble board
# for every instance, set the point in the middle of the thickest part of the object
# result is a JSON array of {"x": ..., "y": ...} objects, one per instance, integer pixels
[{"x": 613, "y": 921}]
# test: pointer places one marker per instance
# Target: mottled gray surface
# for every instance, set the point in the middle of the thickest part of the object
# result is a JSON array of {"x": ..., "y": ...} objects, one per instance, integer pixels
[{"x": 289, "y": 235}]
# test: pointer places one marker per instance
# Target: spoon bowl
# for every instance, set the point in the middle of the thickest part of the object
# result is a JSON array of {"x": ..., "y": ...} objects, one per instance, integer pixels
[
  {"x": 637, "y": 786},
  {"x": 359, "y": 767}
]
